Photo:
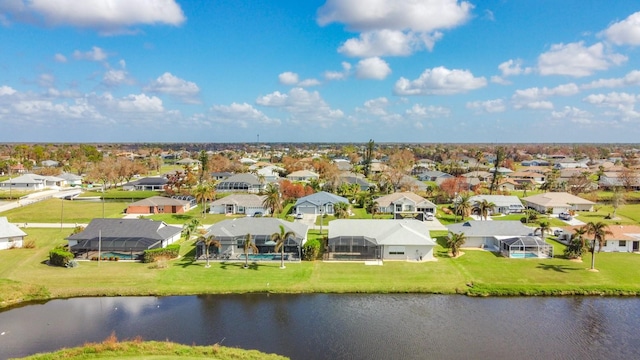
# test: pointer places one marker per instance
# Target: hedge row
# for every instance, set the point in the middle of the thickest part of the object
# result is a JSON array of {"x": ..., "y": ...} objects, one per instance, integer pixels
[{"x": 172, "y": 251}]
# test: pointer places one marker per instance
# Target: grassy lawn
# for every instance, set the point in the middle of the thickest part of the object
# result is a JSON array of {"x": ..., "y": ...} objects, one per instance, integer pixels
[
  {"x": 120, "y": 194},
  {"x": 24, "y": 276},
  {"x": 50, "y": 211}
]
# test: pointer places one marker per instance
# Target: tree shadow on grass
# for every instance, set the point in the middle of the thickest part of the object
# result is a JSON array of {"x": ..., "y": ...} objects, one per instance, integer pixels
[
  {"x": 181, "y": 217},
  {"x": 240, "y": 265},
  {"x": 556, "y": 268}
]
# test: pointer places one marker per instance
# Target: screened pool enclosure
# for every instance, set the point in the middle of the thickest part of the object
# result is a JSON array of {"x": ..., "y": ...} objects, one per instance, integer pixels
[{"x": 523, "y": 247}]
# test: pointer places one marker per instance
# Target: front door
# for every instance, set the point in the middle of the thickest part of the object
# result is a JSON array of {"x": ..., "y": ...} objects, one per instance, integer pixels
[{"x": 636, "y": 246}]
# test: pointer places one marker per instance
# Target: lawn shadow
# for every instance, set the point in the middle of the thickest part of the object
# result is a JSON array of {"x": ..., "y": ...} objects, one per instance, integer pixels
[
  {"x": 181, "y": 217},
  {"x": 240, "y": 264},
  {"x": 556, "y": 268}
]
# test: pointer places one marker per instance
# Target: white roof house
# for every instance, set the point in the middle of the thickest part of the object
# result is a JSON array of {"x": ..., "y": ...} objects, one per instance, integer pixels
[
  {"x": 246, "y": 204},
  {"x": 503, "y": 204},
  {"x": 557, "y": 202},
  {"x": 362, "y": 239},
  {"x": 10, "y": 235},
  {"x": 32, "y": 182}
]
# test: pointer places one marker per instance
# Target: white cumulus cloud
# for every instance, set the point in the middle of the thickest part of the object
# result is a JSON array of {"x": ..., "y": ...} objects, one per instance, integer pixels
[
  {"x": 242, "y": 114},
  {"x": 577, "y": 60},
  {"x": 372, "y": 68},
  {"x": 339, "y": 75},
  {"x": 625, "y": 32},
  {"x": 95, "y": 54},
  {"x": 172, "y": 85},
  {"x": 302, "y": 106},
  {"x": 513, "y": 67},
  {"x": 393, "y": 27},
  {"x": 630, "y": 79},
  {"x": 106, "y": 16},
  {"x": 418, "y": 111},
  {"x": 613, "y": 99},
  {"x": 288, "y": 78},
  {"x": 440, "y": 81},
  {"x": 6, "y": 90},
  {"x": 488, "y": 106}
]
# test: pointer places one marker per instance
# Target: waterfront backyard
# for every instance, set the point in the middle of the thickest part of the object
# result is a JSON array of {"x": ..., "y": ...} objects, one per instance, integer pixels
[{"x": 24, "y": 275}]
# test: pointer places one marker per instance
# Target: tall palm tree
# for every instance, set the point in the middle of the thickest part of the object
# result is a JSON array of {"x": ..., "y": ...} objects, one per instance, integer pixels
[
  {"x": 280, "y": 239},
  {"x": 375, "y": 209},
  {"x": 189, "y": 229},
  {"x": 526, "y": 186},
  {"x": 341, "y": 210},
  {"x": 208, "y": 242},
  {"x": 273, "y": 199},
  {"x": 599, "y": 231},
  {"x": 483, "y": 207},
  {"x": 543, "y": 227},
  {"x": 246, "y": 245},
  {"x": 454, "y": 242},
  {"x": 204, "y": 192}
]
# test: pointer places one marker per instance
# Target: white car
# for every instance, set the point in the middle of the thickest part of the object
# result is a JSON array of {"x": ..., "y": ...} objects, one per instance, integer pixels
[
  {"x": 564, "y": 216},
  {"x": 428, "y": 216},
  {"x": 299, "y": 216}
]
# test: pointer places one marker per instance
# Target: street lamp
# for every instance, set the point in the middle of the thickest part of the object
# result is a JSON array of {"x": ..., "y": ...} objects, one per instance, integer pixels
[{"x": 455, "y": 206}]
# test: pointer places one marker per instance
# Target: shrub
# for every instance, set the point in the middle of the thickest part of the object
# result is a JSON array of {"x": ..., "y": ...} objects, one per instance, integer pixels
[
  {"x": 171, "y": 252},
  {"x": 59, "y": 257},
  {"x": 29, "y": 244},
  {"x": 72, "y": 264},
  {"x": 311, "y": 250}
]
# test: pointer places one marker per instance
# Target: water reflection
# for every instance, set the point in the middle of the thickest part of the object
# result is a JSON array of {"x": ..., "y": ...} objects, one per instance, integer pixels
[{"x": 324, "y": 326}]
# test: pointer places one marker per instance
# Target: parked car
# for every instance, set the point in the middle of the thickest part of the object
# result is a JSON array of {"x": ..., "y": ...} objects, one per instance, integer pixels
[
  {"x": 428, "y": 216},
  {"x": 257, "y": 214},
  {"x": 299, "y": 216},
  {"x": 564, "y": 216},
  {"x": 557, "y": 232}
]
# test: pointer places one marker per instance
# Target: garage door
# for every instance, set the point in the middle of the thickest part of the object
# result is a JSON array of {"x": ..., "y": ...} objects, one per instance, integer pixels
[{"x": 306, "y": 209}]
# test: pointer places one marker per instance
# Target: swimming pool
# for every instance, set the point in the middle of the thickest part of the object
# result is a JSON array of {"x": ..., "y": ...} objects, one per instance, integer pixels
[
  {"x": 121, "y": 256},
  {"x": 526, "y": 255},
  {"x": 263, "y": 257}
]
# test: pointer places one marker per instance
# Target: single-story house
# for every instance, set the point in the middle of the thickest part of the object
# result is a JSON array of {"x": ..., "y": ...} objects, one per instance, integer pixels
[
  {"x": 352, "y": 178},
  {"x": 557, "y": 202},
  {"x": 319, "y": 203},
  {"x": 152, "y": 183},
  {"x": 487, "y": 234},
  {"x": 434, "y": 175},
  {"x": 193, "y": 164},
  {"x": 270, "y": 173},
  {"x": 220, "y": 175},
  {"x": 32, "y": 182},
  {"x": 405, "y": 203},
  {"x": 49, "y": 163},
  {"x": 244, "y": 182},
  {"x": 509, "y": 185},
  {"x": 232, "y": 233},
  {"x": 504, "y": 204},
  {"x": 71, "y": 179},
  {"x": 409, "y": 183},
  {"x": 367, "y": 239},
  {"x": 343, "y": 164},
  {"x": 245, "y": 204},
  {"x": 10, "y": 235},
  {"x": 159, "y": 205},
  {"x": 303, "y": 175},
  {"x": 125, "y": 236},
  {"x": 523, "y": 176},
  {"x": 482, "y": 176},
  {"x": 623, "y": 238},
  {"x": 535, "y": 162}
]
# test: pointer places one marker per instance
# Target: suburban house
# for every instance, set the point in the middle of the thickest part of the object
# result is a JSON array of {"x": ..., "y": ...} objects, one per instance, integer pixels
[
  {"x": 319, "y": 203},
  {"x": 481, "y": 176},
  {"x": 402, "y": 204},
  {"x": 193, "y": 164},
  {"x": 352, "y": 178},
  {"x": 409, "y": 183},
  {"x": 623, "y": 238},
  {"x": 10, "y": 235},
  {"x": 33, "y": 182},
  {"x": 153, "y": 183},
  {"x": 508, "y": 185},
  {"x": 365, "y": 239},
  {"x": 504, "y": 204},
  {"x": 343, "y": 164},
  {"x": 270, "y": 173},
  {"x": 71, "y": 179},
  {"x": 527, "y": 176},
  {"x": 220, "y": 175},
  {"x": 303, "y": 175},
  {"x": 244, "y": 182},
  {"x": 244, "y": 204},
  {"x": 127, "y": 236},
  {"x": 159, "y": 205},
  {"x": 611, "y": 180},
  {"x": 232, "y": 233},
  {"x": 557, "y": 202},
  {"x": 487, "y": 234},
  {"x": 434, "y": 175},
  {"x": 49, "y": 163},
  {"x": 535, "y": 162}
]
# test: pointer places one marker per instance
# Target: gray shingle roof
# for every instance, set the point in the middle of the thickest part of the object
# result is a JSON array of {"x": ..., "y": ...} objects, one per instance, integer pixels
[
  {"x": 147, "y": 232},
  {"x": 256, "y": 226},
  {"x": 383, "y": 232},
  {"x": 490, "y": 228},
  {"x": 321, "y": 198},
  {"x": 9, "y": 230}
]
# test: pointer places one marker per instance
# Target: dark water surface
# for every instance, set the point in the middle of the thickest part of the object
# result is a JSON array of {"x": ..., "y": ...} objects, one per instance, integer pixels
[{"x": 341, "y": 326}]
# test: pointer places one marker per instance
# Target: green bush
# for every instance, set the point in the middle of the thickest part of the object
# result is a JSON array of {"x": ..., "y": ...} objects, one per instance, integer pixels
[
  {"x": 172, "y": 251},
  {"x": 59, "y": 257},
  {"x": 311, "y": 250}
]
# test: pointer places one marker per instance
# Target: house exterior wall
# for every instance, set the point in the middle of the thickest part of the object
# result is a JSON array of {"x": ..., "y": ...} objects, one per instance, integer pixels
[
  {"x": 620, "y": 245},
  {"x": 167, "y": 209},
  {"x": 11, "y": 242},
  {"x": 410, "y": 252},
  {"x": 23, "y": 186}
]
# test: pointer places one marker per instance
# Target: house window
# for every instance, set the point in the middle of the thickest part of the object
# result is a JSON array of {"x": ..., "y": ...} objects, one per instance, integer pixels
[
  {"x": 399, "y": 207},
  {"x": 622, "y": 243},
  {"x": 241, "y": 209},
  {"x": 396, "y": 250}
]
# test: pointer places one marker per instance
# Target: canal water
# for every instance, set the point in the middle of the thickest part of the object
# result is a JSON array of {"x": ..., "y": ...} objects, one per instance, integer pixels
[{"x": 331, "y": 326}]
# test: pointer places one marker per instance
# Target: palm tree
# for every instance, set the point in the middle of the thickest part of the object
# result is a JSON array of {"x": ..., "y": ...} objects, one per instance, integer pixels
[
  {"x": 246, "y": 245},
  {"x": 341, "y": 210},
  {"x": 463, "y": 205},
  {"x": 526, "y": 186},
  {"x": 617, "y": 200},
  {"x": 273, "y": 200},
  {"x": 544, "y": 226},
  {"x": 454, "y": 242},
  {"x": 204, "y": 192},
  {"x": 209, "y": 241},
  {"x": 483, "y": 207},
  {"x": 280, "y": 239},
  {"x": 190, "y": 228},
  {"x": 578, "y": 245},
  {"x": 599, "y": 231},
  {"x": 375, "y": 208}
]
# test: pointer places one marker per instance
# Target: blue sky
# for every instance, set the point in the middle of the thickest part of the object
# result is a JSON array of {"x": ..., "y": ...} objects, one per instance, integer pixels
[{"x": 319, "y": 71}]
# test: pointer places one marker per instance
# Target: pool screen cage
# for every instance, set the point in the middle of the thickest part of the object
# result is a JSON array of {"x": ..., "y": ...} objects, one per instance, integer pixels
[
  {"x": 352, "y": 248},
  {"x": 263, "y": 242},
  {"x": 526, "y": 246}
]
